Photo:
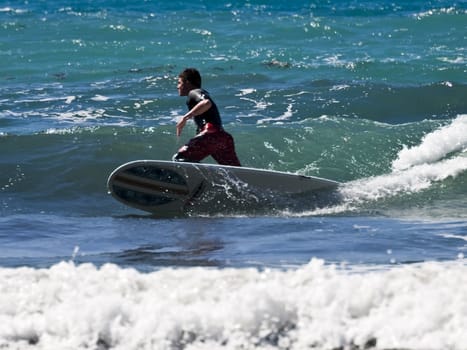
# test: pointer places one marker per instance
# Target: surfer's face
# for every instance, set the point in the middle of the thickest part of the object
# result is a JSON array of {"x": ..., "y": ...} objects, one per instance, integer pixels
[{"x": 183, "y": 87}]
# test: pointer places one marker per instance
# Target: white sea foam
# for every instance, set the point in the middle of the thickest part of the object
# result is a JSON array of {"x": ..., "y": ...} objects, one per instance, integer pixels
[
  {"x": 244, "y": 92},
  {"x": 457, "y": 60},
  {"x": 257, "y": 105},
  {"x": 415, "y": 179},
  {"x": 81, "y": 116},
  {"x": 339, "y": 87},
  {"x": 100, "y": 98},
  {"x": 446, "y": 235},
  {"x": 435, "y": 145},
  {"x": 440, "y": 155},
  {"x": 285, "y": 116},
  {"x": 70, "y": 99},
  {"x": 12, "y": 10},
  {"x": 353, "y": 194},
  {"x": 315, "y": 306},
  {"x": 441, "y": 11},
  {"x": 416, "y": 168}
]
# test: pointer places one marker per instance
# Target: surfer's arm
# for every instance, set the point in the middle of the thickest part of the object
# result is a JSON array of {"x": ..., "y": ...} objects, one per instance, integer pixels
[{"x": 200, "y": 108}]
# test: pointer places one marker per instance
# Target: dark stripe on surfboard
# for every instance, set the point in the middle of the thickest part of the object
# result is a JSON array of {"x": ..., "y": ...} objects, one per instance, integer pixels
[{"x": 144, "y": 184}]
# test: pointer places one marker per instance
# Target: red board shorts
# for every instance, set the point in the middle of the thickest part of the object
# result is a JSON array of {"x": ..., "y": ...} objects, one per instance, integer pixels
[{"x": 210, "y": 142}]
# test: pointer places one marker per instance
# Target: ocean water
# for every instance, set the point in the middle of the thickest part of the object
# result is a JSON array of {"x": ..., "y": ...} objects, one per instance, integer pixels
[{"x": 372, "y": 94}]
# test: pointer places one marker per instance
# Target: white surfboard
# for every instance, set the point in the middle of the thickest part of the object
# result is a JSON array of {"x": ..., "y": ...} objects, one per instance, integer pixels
[{"x": 170, "y": 189}]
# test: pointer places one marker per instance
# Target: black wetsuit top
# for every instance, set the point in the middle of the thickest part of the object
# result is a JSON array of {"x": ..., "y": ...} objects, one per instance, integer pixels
[{"x": 210, "y": 116}]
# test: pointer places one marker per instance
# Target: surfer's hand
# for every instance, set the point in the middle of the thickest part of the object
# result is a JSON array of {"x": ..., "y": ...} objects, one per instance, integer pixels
[{"x": 181, "y": 124}]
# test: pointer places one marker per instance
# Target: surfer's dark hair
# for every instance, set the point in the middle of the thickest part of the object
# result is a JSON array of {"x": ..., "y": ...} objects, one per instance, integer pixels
[{"x": 191, "y": 75}]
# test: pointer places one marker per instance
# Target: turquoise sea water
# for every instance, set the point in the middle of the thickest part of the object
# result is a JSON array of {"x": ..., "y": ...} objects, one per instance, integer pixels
[{"x": 370, "y": 94}]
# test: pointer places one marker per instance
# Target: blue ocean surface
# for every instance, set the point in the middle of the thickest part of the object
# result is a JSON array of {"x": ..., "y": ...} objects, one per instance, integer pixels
[{"x": 371, "y": 94}]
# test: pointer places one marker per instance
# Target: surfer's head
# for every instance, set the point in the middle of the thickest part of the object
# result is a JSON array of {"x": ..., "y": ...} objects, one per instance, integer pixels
[
  {"x": 188, "y": 80},
  {"x": 192, "y": 76}
]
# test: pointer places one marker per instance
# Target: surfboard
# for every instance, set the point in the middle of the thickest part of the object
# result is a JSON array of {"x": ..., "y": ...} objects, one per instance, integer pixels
[{"x": 171, "y": 189}]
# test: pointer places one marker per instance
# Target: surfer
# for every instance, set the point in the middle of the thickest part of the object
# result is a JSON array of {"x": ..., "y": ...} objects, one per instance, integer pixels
[{"x": 211, "y": 139}]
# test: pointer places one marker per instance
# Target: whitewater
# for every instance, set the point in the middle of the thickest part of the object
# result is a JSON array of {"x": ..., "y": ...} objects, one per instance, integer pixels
[{"x": 318, "y": 306}]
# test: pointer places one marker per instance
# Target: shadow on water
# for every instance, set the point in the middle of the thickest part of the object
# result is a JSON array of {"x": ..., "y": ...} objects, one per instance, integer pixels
[
  {"x": 196, "y": 254},
  {"x": 147, "y": 242}
]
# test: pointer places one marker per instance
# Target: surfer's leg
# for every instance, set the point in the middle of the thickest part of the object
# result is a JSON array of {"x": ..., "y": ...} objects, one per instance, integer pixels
[
  {"x": 194, "y": 151},
  {"x": 223, "y": 149}
]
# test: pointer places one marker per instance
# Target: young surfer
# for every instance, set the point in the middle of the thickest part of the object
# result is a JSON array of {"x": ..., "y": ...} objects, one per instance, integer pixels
[{"x": 211, "y": 139}]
